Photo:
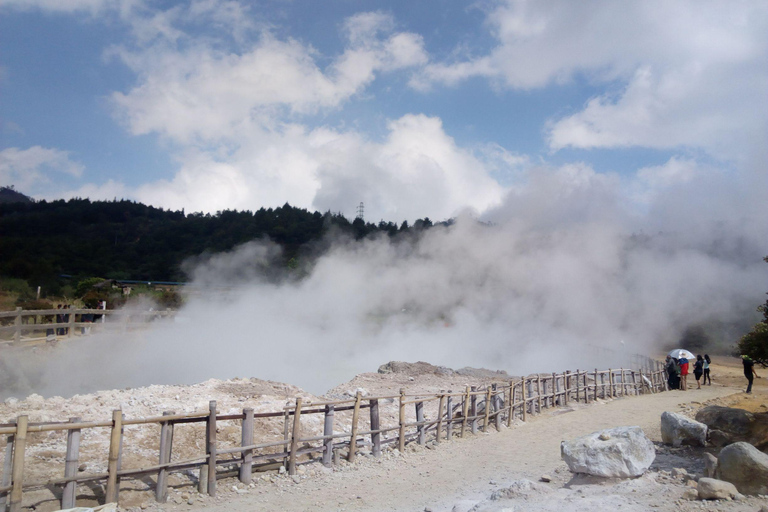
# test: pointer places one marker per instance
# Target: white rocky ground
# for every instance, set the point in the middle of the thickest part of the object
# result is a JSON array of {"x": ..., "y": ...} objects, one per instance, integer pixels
[{"x": 494, "y": 472}]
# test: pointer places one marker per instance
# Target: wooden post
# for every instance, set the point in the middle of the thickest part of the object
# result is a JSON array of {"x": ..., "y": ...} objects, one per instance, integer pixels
[
  {"x": 7, "y": 469},
  {"x": 210, "y": 447},
  {"x": 487, "y": 417},
  {"x": 555, "y": 389},
  {"x": 166, "y": 448},
  {"x": 465, "y": 412},
  {"x": 113, "y": 490},
  {"x": 286, "y": 435},
  {"x": 17, "y": 471},
  {"x": 511, "y": 403},
  {"x": 595, "y": 383},
  {"x": 70, "y": 466},
  {"x": 525, "y": 403},
  {"x": 353, "y": 436},
  {"x": 17, "y": 325},
  {"x": 246, "y": 439},
  {"x": 440, "y": 409},
  {"x": 401, "y": 432},
  {"x": 295, "y": 437},
  {"x": 449, "y": 411},
  {"x": 202, "y": 481},
  {"x": 495, "y": 399},
  {"x": 375, "y": 425},
  {"x": 634, "y": 382},
  {"x": 642, "y": 382},
  {"x": 327, "y": 432},
  {"x": 71, "y": 321},
  {"x": 420, "y": 428},
  {"x": 538, "y": 390},
  {"x": 578, "y": 385},
  {"x": 567, "y": 385},
  {"x": 473, "y": 409},
  {"x": 610, "y": 383}
]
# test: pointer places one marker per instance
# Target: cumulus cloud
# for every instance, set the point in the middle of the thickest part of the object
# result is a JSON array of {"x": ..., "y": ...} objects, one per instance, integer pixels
[
  {"x": 31, "y": 169},
  {"x": 689, "y": 69}
]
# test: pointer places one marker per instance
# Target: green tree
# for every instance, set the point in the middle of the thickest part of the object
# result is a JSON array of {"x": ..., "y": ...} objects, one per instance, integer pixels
[{"x": 755, "y": 343}]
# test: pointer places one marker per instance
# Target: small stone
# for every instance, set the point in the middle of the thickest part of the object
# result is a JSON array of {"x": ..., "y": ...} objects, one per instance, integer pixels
[
  {"x": 296, "y": 479},
  {"x": 545, "y": 478},
  {"x": 190, "y": 502},
  {"x": 82, "y": 467},
  {"x": 692, "y": 483},
  {"x": 604, "y": 436},
  {"x": 281, "y": 470},
  {"x": 690, "y": 494}
]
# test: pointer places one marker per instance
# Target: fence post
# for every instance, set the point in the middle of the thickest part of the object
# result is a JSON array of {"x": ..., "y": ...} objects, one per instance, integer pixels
[
  {"x": 511, "y": 403},
  {"x": 17, "y": 325},
  {"x": 328, "y": 433},
  {"x": 113, "y": 484},
  {"x": 166, "y": 448},
  {"x": 487, "y": 417},
  {"x": 7, "y": 468},
  {"x": 525, "y": 402},
  {"x": 538, "y": 389},
  {"x": 473, "y": 409},
  {"x": 71, "y": 321},
  {"x": 465, "y": 411},
  {"x": 295, "y": 437},
  {"x": 496, "y": 407},
  {"x": 375, "y": 436},
  {"x": 566, "y": 384},
  {"x": 246, "y": 439},
  {"x": 210, "y": 447},
  {"x": 555, "y": 389},
  {"x": 449, "y": 412},
  {"x": 70, "y": 466},
  {"x": 596, "y": 384},
  {"x": 642, "y": 382},
  {"x": 578, "y": 385},
  {"x": 610, "y": 383},
  {"x": 440, "y": 409},
  {"x": 17, "y": 471},
  {"x": 401, "y": 432},
  {"x": 353, "y": 436},
  {"x": 420, "y": 428}
]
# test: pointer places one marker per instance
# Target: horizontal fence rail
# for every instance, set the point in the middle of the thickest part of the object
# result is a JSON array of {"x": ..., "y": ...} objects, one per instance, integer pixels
[
  {"x": 451, "y": 414},
  {"x": 66, "y": 323}
]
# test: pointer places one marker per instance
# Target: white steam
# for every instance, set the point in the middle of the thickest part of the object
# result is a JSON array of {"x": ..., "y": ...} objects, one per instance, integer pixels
[{"x": 567, "y": 273}]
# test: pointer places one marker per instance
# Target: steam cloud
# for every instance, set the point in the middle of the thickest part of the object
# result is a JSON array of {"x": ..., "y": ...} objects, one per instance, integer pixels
[{"x": 574, "y": 269}]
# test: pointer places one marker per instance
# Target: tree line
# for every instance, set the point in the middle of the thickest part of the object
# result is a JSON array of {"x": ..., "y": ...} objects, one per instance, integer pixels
[{"x": 53, "y": 244}]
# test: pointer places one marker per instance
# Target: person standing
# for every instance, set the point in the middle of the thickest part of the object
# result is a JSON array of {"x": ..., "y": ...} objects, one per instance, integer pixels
[
  {"x": 707, "y": 362},
  {"x": 683, "y": 361},
  {"x": 749, "y": 371},
  {"x": 698, "y": 370}
]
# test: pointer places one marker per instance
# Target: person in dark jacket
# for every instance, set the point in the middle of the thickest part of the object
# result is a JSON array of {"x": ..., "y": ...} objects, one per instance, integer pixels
[
  {"x": 749, "y": 371},
  {"x": 673, "y": 373},
  {"x": 698, "y": 370}
]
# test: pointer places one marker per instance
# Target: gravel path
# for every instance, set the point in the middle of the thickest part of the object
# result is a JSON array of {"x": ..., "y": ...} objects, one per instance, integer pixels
[{"x": 462, "y": 474}]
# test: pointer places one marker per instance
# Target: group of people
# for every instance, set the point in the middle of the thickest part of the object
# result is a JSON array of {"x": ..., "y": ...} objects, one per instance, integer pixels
[{"x": 678, "y": 370}]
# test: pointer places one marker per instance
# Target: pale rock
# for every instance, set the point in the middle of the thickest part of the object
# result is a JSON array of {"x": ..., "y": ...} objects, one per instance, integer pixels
[
  {"x": 677, "y": 430},
  {"x": 545, "y": 478},
  {"x": 627, "y": 453},
  {"x": 713, "y": 489},
  {"x": 690, "y": 494},
  {"x": 710, "y": 465},
  {"x": 744, "y": 466}
]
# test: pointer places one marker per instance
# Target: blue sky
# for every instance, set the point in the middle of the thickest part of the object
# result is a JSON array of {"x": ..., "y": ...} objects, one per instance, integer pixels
[{"x": 415, "y": 108}]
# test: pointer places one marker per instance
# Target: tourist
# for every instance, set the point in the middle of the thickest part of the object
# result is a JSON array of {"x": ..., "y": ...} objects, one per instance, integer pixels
[
  {"x": 683, "y": 361},
  {"x": 707, "y": 362},
  {"x": 698, "y": 370},
  {"x": 673, "y": 373},
  {"x": 749, "y": 371}
]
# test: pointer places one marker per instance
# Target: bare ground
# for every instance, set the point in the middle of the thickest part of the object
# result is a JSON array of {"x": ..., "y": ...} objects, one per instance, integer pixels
[{"x": 482, "y": 472}]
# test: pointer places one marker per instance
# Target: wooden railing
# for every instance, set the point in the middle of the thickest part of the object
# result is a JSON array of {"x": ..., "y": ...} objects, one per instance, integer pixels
[
  {"x": 43, "y": 322},
  {"x": 453, "y": 414}
]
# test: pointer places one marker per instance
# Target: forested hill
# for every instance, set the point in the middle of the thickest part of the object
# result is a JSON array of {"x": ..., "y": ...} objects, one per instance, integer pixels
[{"x": 41, "y": 241}]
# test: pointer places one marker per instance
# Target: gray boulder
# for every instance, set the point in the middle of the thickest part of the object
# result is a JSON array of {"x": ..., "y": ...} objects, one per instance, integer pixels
[
  {"x": 710, "y": 465},
  {"x": 677, "y": 429},
  {"x": 744, "y": 466},
  {"x": 712, "y": 489},
  {"x": 617, "y": 452},
  {"x": 729, "y": 425}
]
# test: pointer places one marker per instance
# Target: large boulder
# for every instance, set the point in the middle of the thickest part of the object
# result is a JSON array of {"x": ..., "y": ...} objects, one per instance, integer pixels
[
  {"x": 617, "y": 452},
  {"x": 729, "y": 425},
  {"x": 677, "y": 429},
  {"x": 712, "y": 489},
  {"x": 744, "y": 466}
]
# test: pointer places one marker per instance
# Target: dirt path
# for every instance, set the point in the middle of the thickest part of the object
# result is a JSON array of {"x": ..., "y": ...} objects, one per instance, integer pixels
[{"x": 460, "y": 474}]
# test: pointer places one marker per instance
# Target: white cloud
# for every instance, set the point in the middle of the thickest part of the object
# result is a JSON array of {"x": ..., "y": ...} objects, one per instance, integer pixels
[
  {"x": 30, "y": 169},
  {"x": 693, "y": 71}
]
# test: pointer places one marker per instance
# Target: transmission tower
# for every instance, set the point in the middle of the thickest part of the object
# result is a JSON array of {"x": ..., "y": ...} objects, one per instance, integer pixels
[{"x": 360, "y": 211}]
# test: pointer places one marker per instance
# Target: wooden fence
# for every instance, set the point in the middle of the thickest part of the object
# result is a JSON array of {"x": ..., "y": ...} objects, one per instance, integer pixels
[
  {"x": 455, "y": 415},
  {"x": 14, "y": 325}
]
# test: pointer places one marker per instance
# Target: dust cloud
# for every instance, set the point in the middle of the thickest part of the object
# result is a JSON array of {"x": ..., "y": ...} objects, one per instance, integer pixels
[{"x": 574, "y": 270}]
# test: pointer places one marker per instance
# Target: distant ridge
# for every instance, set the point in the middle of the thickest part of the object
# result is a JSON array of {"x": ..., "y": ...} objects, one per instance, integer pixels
[{"x": 10, "y": 195}]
